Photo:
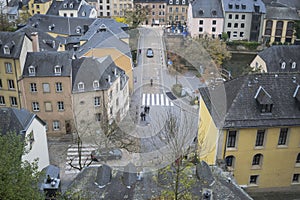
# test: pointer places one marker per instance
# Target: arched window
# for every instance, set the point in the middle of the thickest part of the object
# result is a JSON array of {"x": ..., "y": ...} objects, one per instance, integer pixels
[
  {"x": 257, "y": 159},
  {"x": 230, "y": 160}
]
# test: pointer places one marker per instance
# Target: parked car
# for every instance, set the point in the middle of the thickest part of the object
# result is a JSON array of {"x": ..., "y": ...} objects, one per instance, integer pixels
[
  {"x": 149, "y": 53},
  {"x": 106, "y": 154}
]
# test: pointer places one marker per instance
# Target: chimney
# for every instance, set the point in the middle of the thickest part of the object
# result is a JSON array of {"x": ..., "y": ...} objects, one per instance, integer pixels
[{"x": 35, "y": 42}]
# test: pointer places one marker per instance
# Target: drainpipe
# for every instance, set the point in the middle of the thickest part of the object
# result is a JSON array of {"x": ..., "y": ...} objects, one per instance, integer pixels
[{"x": 17, "y": 82}]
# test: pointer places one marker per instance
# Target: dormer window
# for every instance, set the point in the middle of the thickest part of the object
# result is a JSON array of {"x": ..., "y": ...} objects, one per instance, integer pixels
[
  {"x": 294, "y": 64},
  {"x": 71, "y": 5},
  {"x": 6, "y": 49},
  {"x": 83, "y": 13},
  {"x": 171, "y": 2},
  {"x": 81, "y": 86},
  {"x": 183, "y": 2},
  {"x": 78, "y": 30},
  {"x": 177, "y": 2},
  {"x": 65, "y": 5},
  {"x": 230, "y": 5},
  {"x": 296, "y": 94},
  {"x": 237, "y": 6},
  {"x": 243, "y": 6},
  {"x": 57, "y": 70},
  {"x": 283, "y": 64},
  {"x": 102, "y": 28},
  {"x": 96, "y": 84},
  {"x": 264, "y": 100},
  {"x": 31, "y": 71}
]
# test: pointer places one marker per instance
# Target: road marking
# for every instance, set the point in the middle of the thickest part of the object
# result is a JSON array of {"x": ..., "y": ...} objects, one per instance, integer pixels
[
  {"x": 162, "y": 99},
  {"x": 148, "y": 99},
  {"x": 157, "y": 99},
  {"x": 144, "y": 100},
  {"x": 153, "y": 100}
]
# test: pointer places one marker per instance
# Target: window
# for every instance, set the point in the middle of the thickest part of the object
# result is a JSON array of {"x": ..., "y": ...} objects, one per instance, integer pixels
[
  {"x": 241, "y": 34},
  {"x": 242, "y": 25},
  {"x": 56, "y": 125},
  {"x": 176, "y": 9},
  {"x": 183, "y": 9},
  {"x": 296, "y": 178},
  {"x": 266, "y": 108},
  {"x": 6, "y": 50},
  {"x": 81, "y": 86},
  {"x": 243, "y": 16},
  {"x": 260, "y": 138},
  {"x": 177, "y": 2},
  {"x": 170, "y": 9},
  {"x": 0, "y": 83},
  {"x": 229, "y": 25},
  {"x": 8, "y": 68},
  {"x": 110, "y": 94},
  {"x": 282, "y": 140},
  {"x": 58, "y": 87},
  {"x": 111, "y": 110},
  {"x": 33, "y": 87},
  {"x": 236, "y": 25},
  {"x": 230, "y": 161},
  {"x": 214, "y": 22},
  {"x": 298, "y": 158},
  {"x": 231, "y": 139},
  {"x": 171, "y": 1},
  {"x": 46, "y": 87},
  {"x": 98, "y": 117},
  {"x": 48, "y": 106},
  {"x": 201, "y": 22},
  {"x": 230, "y": 16},
  {"x": 200, "y": 29},
  {"x": 236, "y": 16},
  {"x": 117, "y": 102},
  {"x": 11, "y": 84},
  {"x": 35, "y": 106},
  {"x": 294, "y": 64},
  {"x": 57, "y": 70},
  {"x": 13, "y": 101},
  {"x": 96, "y": 84},
  {"x": 257, "y": 159},
  {"x": 97, "y": 101},
  {"x": 60, "y": 106},
  {"x": 2, "y": 100},
  {"x": 213, "y": 29},
  {"x": 253, "y": 179}
]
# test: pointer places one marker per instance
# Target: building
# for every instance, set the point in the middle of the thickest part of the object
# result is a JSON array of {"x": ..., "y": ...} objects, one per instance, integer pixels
[
  {"x": 32, "y": 129},
  {"x": 243, "y": 19},
  {"x": 280, "y": 58},
  {"x": 252, "y": 124},
  {"x": 280, "y": 21},
  {"x": 46, "y": 89},
  {"x": 38, "y": 6},
  {"x": 177, "y": 11},
  {"x": 100, "y": 94},
  {"x": 14, "y": 47},
  {"x": 119, "y": 7},
  {"x": 157, "y": 11},
  {"x": 205, "y": 18}
]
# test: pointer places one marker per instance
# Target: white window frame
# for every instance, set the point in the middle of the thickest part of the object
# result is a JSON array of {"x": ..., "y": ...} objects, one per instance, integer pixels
[
  {"x": 57, "y": 70},
  {"x": 294, "y": 64},
  {"x": 2, "y": 100},
  {"x": 60, "y": 106},
  {"x": 31, "y": 70},
  {"x": 6, "y": 49},
  {"x": 8, "y": 68},
  {"x": 96, "y": 84},
  {"x": 97, "y": 101},
  {"x": 13, "y": 101},
  {"x": 33, "y": 87},
  {"x": 11, "y": 84},
  {"x": 58, "y": 87},
  {"x": 81, "y": 86},
  {"x": 45, "y": 87},
  {"x": 283, "y": 65},
  {"x": 56, "y": 125},
  {"x": 35, "y": 106}
]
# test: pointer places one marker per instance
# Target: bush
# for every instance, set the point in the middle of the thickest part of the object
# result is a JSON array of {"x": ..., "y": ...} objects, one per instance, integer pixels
[
  {"x": 248, "y": 45},
  {"x": 176, "y": 89}
]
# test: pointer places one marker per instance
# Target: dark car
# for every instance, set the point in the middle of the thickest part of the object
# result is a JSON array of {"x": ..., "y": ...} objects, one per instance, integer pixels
[
  {"x": 149, "y": 53},
  {"x": 106, "y": 154}
]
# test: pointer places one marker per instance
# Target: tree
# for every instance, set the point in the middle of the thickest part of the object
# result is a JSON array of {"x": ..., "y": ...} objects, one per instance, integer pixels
[
  {"x": 23, "y": 16},
  {"x": 4, "y": 23},
  {"x": 176, "y": 144},
  {"x": 297, "y": 29},
  {"x": 136, "y": 16},
  {"x": 18, "y": 179}
]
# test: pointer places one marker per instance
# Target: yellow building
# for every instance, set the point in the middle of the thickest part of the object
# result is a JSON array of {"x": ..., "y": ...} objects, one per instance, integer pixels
[
  {"x": 38, "y": 6},
  {"x": 14, "y": 47},
  {"x": 279, "y": 24},
  {"x": 252, "y": 124}
]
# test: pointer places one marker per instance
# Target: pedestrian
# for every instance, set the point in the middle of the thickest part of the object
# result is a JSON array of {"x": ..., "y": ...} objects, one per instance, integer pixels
[
  {"x": 151, "y": 81},
  {"x": 145, "y": 109},
  {"x": 148, "y": 109},
  {"x": 142, "y": 116}
]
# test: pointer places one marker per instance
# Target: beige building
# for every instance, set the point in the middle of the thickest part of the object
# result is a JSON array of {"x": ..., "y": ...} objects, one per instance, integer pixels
[
  {"x": 157, "y": 14},
  {"x": 46, "y": 90},
  {"x": 38, "y": 6},
  {"x": 177, "y": 11}
]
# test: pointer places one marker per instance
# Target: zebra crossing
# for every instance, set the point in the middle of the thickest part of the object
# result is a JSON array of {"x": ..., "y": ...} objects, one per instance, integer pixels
[
  {"x": 156, "y": 100},
  {"x": 72, "y": 154}
]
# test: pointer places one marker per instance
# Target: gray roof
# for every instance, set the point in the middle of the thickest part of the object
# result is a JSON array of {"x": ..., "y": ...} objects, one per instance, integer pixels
[
  {"x": 130, "y": 175},
  {"x": 207, "y": 9},
  {"x": 275, "y": 55},
  {"x": 241, "y": 107},
  {"x": 243, "y": 6},
  {"x": 46, "y": 42},
  {"x": 45, "y": 61},
  {"x": 54, "y": 8},
  {"x": 15, "y": 120},
  {"x": 180, "y": 2},
  {"x": 150, "y": 1},
  {"x": 13, "y": 40},
  {"x": 88, "y": 69},
  {"x": 285, "y": 3},
  {"x": 85, "y": 10},
  {"x": 104, "y": 39},
  {"x": 58, "y": 24},
  {"x": 103, "y": 175},
  {"x": 204, "y": 173},
  {"x": 281, "y": 13}
]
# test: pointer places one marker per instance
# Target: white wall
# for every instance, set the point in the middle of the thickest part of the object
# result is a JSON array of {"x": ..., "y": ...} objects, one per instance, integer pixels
[{"x": 39, "y": 146}]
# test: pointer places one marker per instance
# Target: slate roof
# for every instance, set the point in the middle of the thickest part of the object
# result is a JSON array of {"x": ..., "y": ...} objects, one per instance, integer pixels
[
  {"x": 46, "y": 42},
  {"x": 249, "y": 6},
  {"x": 45, "y": 61},
  {"x": 207, "y": 9},
  {"x": 241, "y": 109},
  {"x": 285, "y": 3},
  {"x": 85, "y": 10},
  {"x": 17, "y": 120},
  {"x": 14, "y": 40},
  {"x": 275, "y": 55},
  {"x": 180, "y": 2},
  {"x": 54, "y": 7},
  {"x": 150, "y": 1},
  {"x": 281, "y": 13},
  {"x": 103, "y": 175},
  {"x": 88, "y": 69}
]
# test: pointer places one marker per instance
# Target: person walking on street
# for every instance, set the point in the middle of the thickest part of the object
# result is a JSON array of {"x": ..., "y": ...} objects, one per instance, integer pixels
[
  {"x": 151, "y": 81},
  {"x": 142, "y": 116}
]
